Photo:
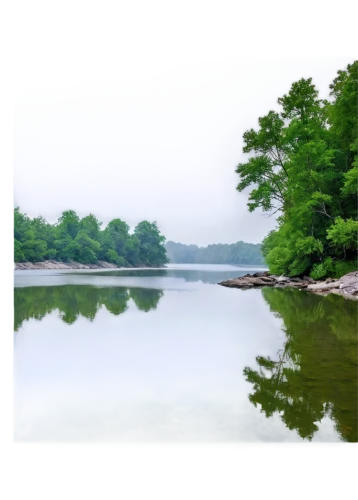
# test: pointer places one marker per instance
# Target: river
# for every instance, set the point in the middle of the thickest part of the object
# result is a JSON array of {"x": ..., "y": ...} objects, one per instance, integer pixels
[{"x": 167, "y": 355}]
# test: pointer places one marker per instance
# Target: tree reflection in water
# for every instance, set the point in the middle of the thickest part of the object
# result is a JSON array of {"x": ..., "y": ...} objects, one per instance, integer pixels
[
  {"x": 315, "y": 372},
  {"x": 73, "y": 301}
]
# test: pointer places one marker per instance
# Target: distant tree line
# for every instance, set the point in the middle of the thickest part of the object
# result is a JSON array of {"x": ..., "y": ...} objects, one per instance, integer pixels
[
  {"x": 83, "y": 240},
  {"x": 303, "y": 166},
  {"x": 235, "y": 253}
]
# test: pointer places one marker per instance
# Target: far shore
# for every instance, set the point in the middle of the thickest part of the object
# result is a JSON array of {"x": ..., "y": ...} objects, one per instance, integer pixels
[{"x": 54, "y": 264}]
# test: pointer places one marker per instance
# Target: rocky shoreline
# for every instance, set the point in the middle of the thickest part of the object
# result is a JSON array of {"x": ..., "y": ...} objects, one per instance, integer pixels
[
  {"x": 346, "y": 286},
  {"x": 54, "y": 264},
  {"x": 72, "y": 264}
]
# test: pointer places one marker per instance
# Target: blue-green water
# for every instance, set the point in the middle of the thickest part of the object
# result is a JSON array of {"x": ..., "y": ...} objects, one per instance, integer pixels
[{"x": 168, "y": 355}]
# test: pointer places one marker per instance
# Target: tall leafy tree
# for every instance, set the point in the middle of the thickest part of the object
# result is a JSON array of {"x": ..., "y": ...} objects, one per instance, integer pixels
[
  {"x": 302, "y": 167},
  {"x": 151, "y": 244},
  {"x": 91, "y": 226},
  {"x": 68, "y": 224}
]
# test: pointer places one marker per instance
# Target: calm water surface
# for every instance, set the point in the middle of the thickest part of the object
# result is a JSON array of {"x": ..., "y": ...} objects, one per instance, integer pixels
[{"x": 168, "y": 355}]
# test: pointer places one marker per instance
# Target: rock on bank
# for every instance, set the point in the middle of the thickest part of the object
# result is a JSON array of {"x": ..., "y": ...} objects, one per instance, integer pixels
[
  {"x": 53, "y": 264},
  {"x": 347, "y": 285}
]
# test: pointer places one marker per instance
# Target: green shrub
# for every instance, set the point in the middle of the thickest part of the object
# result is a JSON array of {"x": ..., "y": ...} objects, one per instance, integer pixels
[
  {"x": 278, "y": 260},
  {"x": 323, "y": 269},
  {"x": 51, "y": 254},
  {"x": 341, "y": 268}
]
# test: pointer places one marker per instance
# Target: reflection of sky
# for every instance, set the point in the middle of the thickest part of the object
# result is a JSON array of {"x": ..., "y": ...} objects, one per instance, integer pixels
[
  {"x": 194, "y": 343},
  {"x": 173, "y": 276},
  {"x": 174, "y": 373}
]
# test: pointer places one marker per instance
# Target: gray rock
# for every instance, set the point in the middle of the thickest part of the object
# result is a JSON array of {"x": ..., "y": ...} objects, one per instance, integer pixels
[
  {"x": 346, "y": 286},
  {"x": 323, "y": 286},
  {"x": 267, "y": 279},
  {"x": 282, "y": 279}
]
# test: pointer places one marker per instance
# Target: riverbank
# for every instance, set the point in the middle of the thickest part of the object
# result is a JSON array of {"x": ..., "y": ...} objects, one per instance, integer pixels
[
  {"x": 72, "y": 264},
  {"x": 53, "y": 264},
  {"x": 346, "y": 286}
]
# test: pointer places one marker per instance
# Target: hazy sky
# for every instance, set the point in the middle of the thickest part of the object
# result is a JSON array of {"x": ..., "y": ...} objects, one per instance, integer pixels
[{"x": 162, "y": 146}]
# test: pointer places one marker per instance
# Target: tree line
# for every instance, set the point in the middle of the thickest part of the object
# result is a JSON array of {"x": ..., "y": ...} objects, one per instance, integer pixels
[
  {"x": 303, "y": 166},
  {"x": 235, "y": 253},
  {"x": 83, "y": 240}
]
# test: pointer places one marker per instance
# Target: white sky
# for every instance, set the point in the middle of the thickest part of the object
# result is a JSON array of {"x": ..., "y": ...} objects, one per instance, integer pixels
[{"x": 160, "y": 146}]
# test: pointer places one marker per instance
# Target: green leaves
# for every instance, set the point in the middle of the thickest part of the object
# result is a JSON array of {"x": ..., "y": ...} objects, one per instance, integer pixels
[
  {"x": 267, "y": 169},
  {"x": 34, "y": 250},
  {"x": 343, "y": 235},
  {"x": 318, "y": 198},
  {"x": 308, "y": 246},
  {"x": 68, "y": 223},
  {"x": 151, "y": 244},
  {"x": 86, "y": 249},
  {"x": 91, "y": 226},
  {"x": 304, "y": 165},
  {"x": 279, "y": 259},
  {"x": 19, "y": 255},
  {"x": 301, "y": 102},
  {"x": 323, "y": 269},
  {"x": 350, "y": 182},
  {"x": 83, "y": 240}
]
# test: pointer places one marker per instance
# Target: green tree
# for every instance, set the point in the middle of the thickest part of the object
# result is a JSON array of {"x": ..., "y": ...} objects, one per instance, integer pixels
[
  {"x": 235, "y": 253},
  {"x": 21, "y": 225},
  {"x": 302, "y": 166},
  {"x": 33, "y": 250},
  {"x": 239, "y": 253},
  {"x": 68, "y": 224},
  {"x": 114, "y": 242},
  {"x": 87, "y": 249},
  {"x": 132, "y": 250},
  {"x": 91, "y": 226},
  {"x": 151, "y": 244},
  {"x": 84, "y": 241},
  {"x": 65, "y": 248},
  {"x": 343, "y": 235},
  {"x": 19, "y": 255}
]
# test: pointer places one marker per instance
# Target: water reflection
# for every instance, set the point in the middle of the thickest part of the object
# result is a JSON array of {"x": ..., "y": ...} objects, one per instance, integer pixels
[
  {"x": 209, "y": 275},
  {"x": 73, "y": 301},
  {"x": 315, "y": 373},
  {"x": 177, "y": 374}
]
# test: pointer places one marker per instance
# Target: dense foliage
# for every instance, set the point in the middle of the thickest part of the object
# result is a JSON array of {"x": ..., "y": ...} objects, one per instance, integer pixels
[
  {"x": 236, "y": 253},
  {"x": 83, "y": 240},
  {"x": 303, "y": 165}
]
